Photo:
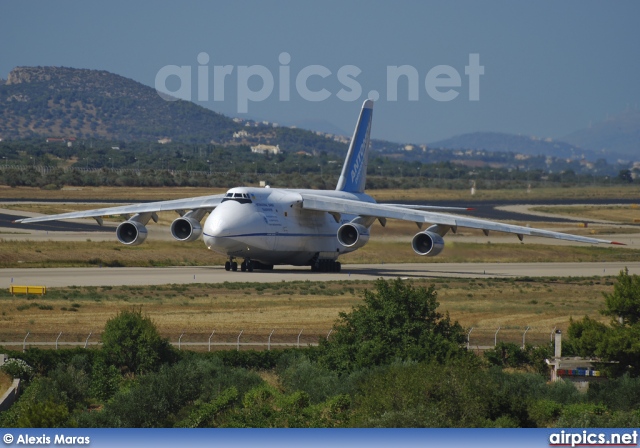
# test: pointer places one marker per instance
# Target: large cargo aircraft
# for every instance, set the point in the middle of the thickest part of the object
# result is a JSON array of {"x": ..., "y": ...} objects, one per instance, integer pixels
[{"x": 264, "y": 227}]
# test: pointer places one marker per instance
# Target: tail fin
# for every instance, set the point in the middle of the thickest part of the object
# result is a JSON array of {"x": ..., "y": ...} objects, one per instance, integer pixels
[{"x": 354, "y": 170}]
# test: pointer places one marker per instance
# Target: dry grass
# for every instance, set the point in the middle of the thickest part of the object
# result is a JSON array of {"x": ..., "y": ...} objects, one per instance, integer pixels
[
  {"x": 119, "y": 194},
  {"x": 26, "y": 253},
  {"x": 165, "y": 193},
  {"x": 289, "y": 307},
  {"x": 155, "y": 252},
  {"x": 5, "y": 383},
  {"x": 583, "y": 192}
]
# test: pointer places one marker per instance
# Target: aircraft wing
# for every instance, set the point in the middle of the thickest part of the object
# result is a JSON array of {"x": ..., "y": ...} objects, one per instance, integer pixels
[
  {"x": 394, "y": 211},
  {"x": 203, "y": 202},
  {"x": 433, "y": 208}
]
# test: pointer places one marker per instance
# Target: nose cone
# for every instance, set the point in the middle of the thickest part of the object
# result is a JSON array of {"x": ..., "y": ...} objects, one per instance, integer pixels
[{"x": 230, "y": 226}]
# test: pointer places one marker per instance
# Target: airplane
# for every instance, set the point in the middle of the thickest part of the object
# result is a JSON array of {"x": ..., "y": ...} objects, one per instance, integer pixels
[{"x": 267, "y": 226}]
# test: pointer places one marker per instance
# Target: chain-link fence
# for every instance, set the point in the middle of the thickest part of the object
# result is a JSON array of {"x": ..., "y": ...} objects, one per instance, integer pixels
[{"x": 478, "y": 338}]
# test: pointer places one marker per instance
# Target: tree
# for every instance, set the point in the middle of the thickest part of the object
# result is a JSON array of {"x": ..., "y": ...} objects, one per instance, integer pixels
[
  {"x": 625, "y": 176},
  {"x": 397, "y": 321},
  {"x": 624, "y": 302},
  {"x": 131, "y": 342},
  {"x": 618, "y": 343},
  {"x": 585, "y": 336}
]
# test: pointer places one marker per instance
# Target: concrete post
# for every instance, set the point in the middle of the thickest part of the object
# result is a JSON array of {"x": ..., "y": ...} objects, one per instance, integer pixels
[{"x": 558, "y": 344}]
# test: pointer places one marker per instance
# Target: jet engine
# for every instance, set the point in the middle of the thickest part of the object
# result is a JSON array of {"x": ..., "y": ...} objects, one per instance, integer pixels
[
  {"x": 353, "y": 235},
  {"x": 186, "y": 229},
  {"x": 131, "y": 233},
  {"x": 427, "y": 243}
]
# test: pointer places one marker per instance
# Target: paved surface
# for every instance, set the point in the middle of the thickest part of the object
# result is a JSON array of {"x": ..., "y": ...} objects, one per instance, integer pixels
[{"x": 62, "y": 277}]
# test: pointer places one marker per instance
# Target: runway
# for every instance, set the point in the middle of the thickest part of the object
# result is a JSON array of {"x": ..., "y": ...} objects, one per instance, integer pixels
[{"x": 95, "y": 276}]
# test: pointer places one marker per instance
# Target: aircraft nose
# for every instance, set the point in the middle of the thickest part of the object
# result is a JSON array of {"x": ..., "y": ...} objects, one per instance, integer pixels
[
  {"x": 228, "y": 223},
  {"x": 216, "y": 225}
]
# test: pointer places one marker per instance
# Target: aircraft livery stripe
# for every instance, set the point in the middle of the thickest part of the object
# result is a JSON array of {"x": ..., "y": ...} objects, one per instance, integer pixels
[{"x": 275, "y": 234}]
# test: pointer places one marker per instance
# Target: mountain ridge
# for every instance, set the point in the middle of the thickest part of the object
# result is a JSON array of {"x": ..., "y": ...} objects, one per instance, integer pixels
[
  {"x": 83, "y": 103},
  {"x": 617, "y": 134},
  {"x": 70, "y": 102},
  {"x": 505, "y": 142}
]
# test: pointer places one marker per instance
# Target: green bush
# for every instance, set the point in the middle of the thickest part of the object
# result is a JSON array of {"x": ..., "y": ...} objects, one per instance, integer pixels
[
  {"x": 131, "y": 342},
  {"x": 396, "y": 322},
  {"x": 544, "y": 412},
  {"x": 166, "y": 397},
  {"x": 318, "y": 382}
]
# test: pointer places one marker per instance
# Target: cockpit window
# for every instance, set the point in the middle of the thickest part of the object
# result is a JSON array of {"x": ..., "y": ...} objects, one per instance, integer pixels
[{"x": 242, "y": 198}]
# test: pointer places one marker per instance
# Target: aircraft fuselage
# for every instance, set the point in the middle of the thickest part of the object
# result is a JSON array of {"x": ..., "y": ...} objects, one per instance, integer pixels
[{"x": 269, "y": 225}]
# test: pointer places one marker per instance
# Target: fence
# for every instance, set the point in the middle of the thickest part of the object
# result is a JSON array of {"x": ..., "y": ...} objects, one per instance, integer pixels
[
  {"x": 487, "y": 338},
  {"x": 214, "y": 340},
  {"x": 478, "y": 338}
]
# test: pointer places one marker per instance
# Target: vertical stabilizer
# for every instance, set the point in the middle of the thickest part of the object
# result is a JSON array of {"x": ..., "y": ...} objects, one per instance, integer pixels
[{"x": 354, "y": 171}]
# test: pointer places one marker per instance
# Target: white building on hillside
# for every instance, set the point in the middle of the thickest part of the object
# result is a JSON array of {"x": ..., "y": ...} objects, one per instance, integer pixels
[{"x": 269, "y": 149}]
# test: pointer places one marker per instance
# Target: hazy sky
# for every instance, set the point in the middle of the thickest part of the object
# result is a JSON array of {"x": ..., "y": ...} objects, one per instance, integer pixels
[{"x": 549, "y": 67}]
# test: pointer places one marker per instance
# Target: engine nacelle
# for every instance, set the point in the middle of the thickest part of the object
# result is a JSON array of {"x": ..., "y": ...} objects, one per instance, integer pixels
[
  {"x": 353, "y": 235},
  {"x": 131, "y": 233},
  {"x": 186, "y": 229},
  {"x": 427, "y": 243}
]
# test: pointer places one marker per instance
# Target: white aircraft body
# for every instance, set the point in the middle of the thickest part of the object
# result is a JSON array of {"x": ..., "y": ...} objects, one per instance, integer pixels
[{"x": 264, "y": 227}]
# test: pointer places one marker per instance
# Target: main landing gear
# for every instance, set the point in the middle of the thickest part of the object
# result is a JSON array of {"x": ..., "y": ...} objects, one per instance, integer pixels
[
  {"x": 246, "y": 265},
  {"x": 231, "y": 266}
]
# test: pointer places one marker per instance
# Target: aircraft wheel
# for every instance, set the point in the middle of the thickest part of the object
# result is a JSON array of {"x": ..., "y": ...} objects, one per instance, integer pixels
[
  {"x": 227, "y": 266},
  {"x": 234, "y": 266},
  {"x": 243, "y": 266},
  {"x": 249, "y": 265},
  {"x": 338, "y": 266}
]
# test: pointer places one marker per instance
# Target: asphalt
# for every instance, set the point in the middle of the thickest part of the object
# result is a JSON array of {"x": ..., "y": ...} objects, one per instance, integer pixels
[{"x": 96, "y": 276}]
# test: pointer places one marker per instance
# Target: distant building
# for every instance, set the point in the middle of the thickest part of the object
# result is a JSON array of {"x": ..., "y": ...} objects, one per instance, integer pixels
[
  {"x": 269, "y": 149},
  {"x": 164, "y": 141},
  {"x": 68, "y": 140},
  {"x": 241, "y": 134}
]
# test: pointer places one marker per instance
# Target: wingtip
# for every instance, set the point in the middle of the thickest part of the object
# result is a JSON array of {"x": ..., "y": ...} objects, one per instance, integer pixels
[{"x": 618, "y": 243}]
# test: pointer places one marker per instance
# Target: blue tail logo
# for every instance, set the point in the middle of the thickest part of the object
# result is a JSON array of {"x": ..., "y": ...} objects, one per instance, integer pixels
[{"x": 354, "y": 171}]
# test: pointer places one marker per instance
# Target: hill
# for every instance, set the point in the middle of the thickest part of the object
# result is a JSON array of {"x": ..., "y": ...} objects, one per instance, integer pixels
[
  {"x": 68, "y": 102},
  {"x": 501, "y": 142},
  {"x": 617, "y": 136}
]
